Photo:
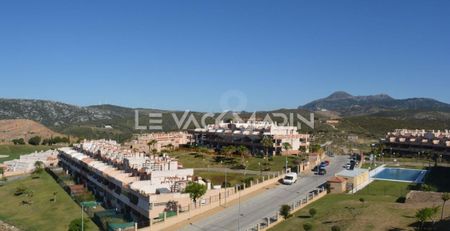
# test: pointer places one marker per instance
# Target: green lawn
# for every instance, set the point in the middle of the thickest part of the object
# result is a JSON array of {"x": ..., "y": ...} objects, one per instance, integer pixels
[
  {"x": 380, "y": 211},
  {"x": 14, "y": 151},
  {"x": 218, "y": 178},
  {"x": 42, "y": 214},
  {"x": 198, "y": 160}
]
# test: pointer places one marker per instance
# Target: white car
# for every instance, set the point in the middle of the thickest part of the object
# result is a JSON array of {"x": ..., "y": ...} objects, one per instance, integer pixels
[{"x": 290, "y": 178}]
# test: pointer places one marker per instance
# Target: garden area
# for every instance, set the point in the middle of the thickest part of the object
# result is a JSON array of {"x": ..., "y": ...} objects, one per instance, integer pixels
[
  {"x": 29, "y": 203},
  {"x": 218, "y": 178},
  {"x": 380, "y": 206},
  {"x": 212, "y": 160}
]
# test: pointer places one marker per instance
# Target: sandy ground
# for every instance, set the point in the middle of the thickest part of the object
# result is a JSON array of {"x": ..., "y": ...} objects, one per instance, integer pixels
[{"x": 21, "y": 128}]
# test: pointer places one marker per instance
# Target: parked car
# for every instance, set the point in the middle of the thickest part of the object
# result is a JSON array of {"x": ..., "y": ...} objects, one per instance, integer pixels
[
  {"x": 290, "y": 178},
  {"x": 347, "y": 166},
  {"x": 322, "y": 171}
]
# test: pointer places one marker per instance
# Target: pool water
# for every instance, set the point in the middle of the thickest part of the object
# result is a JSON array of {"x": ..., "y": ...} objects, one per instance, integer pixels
[{"x": 401, "y": 174}]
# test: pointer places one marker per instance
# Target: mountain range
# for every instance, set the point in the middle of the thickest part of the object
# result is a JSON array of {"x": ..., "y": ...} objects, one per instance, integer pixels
[
  {"x": 360, "y": 113},
  {"x": 348, "y": 105}
]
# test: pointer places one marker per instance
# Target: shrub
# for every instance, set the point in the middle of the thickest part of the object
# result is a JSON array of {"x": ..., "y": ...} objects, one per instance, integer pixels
[
  {"x": 312, "y": 212},
  {"x": 20, "y": 190},
  {"x": 35, "y": 140},
  {"x": 285, "y": 211},
  {"x": 335, "y": 228},
  {"x": 75, "y": 225},
  {"x": 20, "y": 141},
  {"x": 307, "y": 226}
]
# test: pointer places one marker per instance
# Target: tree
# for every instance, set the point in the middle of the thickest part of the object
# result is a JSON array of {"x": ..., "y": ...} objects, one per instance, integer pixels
[
  {"x": 435, "y": 158},
  {"x": 425, "y": 214},
  {"x": 38, "y": 167},
  {"x": 267, "y": 143},
  {"x": 170, "y": 147},
  {"x": 302, "y": 149},
  {"x": 286, "y": 146},
  {"x": 445, "y": 197},
  {"x": 195, "y": 191},
  {"x": 244, "y": 152},
  {"x": 307, "y": 226},
  {"x": 335, "y": 228},
  {"x": 312, "y": 212},
  {"x": 19, "y": 141},
  {"x": 151, "y": 144},
  {"x": 315, "y": 148},
  {"x": 285, "y": 211},
  {"x": 362, "y": 200},
  {"x": 75, "y": 225},
  {"x": 35, "y": 140},
  {"x": 228, "y": 150}
]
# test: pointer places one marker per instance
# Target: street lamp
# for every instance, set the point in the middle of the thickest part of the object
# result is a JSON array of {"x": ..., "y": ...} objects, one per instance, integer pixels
[
  {"x": 285, "y": 171},
  {"x": 260, "y": 171},
  {"x": 239, "y": 207}
]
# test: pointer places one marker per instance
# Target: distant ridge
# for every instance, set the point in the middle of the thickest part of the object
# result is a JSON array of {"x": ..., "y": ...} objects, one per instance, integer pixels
[{"x": 348, "y": 105}]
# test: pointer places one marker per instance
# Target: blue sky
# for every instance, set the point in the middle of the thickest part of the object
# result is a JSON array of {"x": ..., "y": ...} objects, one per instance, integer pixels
[{"x": 192, "y": 54}]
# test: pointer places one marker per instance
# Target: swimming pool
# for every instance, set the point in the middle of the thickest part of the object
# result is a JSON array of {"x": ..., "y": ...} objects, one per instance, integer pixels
[{"x": 401, "y": 175}]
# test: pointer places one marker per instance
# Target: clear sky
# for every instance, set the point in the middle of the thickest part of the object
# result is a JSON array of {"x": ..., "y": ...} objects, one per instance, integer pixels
[{"x": 194, "y": 54}]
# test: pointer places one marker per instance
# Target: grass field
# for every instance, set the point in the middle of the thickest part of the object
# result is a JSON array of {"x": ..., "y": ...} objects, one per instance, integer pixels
[
  {"x": 380, "y": 210},
  {"x": 196, "y": 160},
  {"x": 42, "y": 214},
  {"x": 14, "y": 151},
  {"x": 217, "y": 178}
]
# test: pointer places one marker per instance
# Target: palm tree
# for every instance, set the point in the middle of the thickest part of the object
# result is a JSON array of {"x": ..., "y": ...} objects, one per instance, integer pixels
[
  {"x": 150, "y": 144},
  {"x": 243, "y": 151},
  {"x": 425, "y": 214},
  {"x": 267, "y": 143},
  {"x": 286, "y": 146},
  {"x": 445, "y": 197}
]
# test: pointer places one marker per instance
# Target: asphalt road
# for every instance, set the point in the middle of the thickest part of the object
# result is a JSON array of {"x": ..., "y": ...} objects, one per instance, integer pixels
[{"x": 264, "y": 204}]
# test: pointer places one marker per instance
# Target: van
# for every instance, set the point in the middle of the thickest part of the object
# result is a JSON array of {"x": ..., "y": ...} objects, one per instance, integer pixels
[{"x": 290, "y": 178}]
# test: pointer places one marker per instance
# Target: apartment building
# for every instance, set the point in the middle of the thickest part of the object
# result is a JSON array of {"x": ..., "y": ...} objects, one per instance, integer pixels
[
  {"x": 417, "y": 142},
  {"x": 161, "y": 141},
  {"x": 250, "y": 134},
  {"x": 26, "y": 163},
  {"x": 133, "y": 183}
]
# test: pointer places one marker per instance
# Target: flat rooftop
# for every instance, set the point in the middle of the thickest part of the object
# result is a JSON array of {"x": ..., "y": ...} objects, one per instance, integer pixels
[{"x": 352, "y": 173}]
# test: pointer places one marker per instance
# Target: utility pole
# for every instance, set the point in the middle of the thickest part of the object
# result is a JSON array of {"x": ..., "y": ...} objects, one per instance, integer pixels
[
  {"x": 286, "y": 165},
  {"x": 82, "y": 220},
  {"x": 239, "y": 208},
  {"x": 226, "y": 187}
]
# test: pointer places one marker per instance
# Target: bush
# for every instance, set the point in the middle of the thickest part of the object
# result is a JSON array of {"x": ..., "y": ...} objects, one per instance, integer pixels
[
  {"x": 247, "y": 181},
  {"x": 335, "y": 228},
  {"x": 285, "y": 211},
  {"x": 20, "y": 190},
  {"x": 20, "y": 141},
  {"x": 312, "y": 212},
  {"x": 36, "y": 140},
  {"x": 239, "y": 166},
  {"x": 307, "y": 226},
  {"x": 75, "y": 225}
]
